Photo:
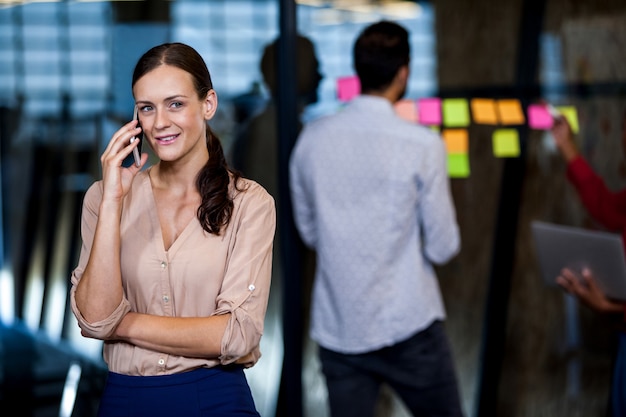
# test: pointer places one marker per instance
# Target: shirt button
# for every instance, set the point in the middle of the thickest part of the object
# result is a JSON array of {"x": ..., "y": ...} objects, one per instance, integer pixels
[
  {"x": 161, "y": 361},
  {"x": 166, "y": 298},
  {"x": 163, "y": 265},
  {"x": 251, "y": 287}
]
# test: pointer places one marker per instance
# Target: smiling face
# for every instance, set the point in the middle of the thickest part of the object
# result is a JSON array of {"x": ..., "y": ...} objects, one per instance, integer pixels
[{"x": 173, "y": 117}]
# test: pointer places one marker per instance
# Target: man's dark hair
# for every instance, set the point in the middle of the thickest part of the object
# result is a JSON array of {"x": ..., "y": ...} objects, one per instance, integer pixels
[{"x": 379, "y": 52}]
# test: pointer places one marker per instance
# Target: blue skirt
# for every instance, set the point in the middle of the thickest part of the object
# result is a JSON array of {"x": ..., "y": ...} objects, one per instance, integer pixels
[{"x": 215, "y": 392}]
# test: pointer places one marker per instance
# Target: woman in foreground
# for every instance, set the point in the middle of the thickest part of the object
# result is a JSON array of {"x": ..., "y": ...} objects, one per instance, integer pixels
[{"x": 175, "y": 265}]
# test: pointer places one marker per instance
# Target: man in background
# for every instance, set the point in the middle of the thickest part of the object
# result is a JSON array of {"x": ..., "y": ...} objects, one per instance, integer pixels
[{"x": 371, "y": 196}]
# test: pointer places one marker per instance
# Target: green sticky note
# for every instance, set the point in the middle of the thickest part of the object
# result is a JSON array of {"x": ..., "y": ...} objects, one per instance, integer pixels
[
  {"x": 458, "y": 165},
  {"x": 571, "y": 115},
  {"x": 506, "y": 143},
  {"x": 455, "y": 112}
]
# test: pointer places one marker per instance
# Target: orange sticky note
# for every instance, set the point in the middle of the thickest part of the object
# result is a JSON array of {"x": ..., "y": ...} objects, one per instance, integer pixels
[
  {"x": 510, "y": 112},
  {"x": 407, "y": 109},
  {"x": 456, "y": 140},
  {"x": 484, "y": 111}
]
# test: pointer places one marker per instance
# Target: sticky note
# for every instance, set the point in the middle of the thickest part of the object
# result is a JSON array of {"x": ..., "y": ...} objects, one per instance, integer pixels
[
  {"x": 506, "y": 143},
  {"x": 455, "y": 112},
  {"x": 571, "y": 115},
  {"x": 407, "y": 109},
  {"x": 348, "y": 87},
  {"x": 458, "y": 165},
  {"x": 484, "y": 111},
  {"x": 510, "y": 112},
  {"x": 539, "y": 117},
  {"x": 429, "y": 111},
  {"x": 456, "y": 140}
]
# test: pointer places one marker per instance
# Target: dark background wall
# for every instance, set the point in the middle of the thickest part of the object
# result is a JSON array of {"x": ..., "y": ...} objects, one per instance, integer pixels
[{"x": 544, "y": 370}]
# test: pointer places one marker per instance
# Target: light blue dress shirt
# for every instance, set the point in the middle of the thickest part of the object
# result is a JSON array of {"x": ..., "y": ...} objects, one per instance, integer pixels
[{"x": 371, "y": 195}]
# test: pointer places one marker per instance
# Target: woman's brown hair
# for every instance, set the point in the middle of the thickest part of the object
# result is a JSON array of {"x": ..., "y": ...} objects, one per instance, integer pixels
[{"x": 213, "y": 180}]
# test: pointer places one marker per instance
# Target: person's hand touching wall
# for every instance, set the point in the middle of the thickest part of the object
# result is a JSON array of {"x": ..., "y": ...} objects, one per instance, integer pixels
[{"x": 564, "y": 138}]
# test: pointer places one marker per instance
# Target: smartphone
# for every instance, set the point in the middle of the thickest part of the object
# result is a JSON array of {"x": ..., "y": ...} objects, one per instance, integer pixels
[{"x": 135, "y": 156}]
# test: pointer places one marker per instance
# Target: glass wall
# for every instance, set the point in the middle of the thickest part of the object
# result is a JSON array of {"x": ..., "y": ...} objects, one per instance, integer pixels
[
  {"x": 521, "y": 348},
  {"x": 65, "y": 73}
]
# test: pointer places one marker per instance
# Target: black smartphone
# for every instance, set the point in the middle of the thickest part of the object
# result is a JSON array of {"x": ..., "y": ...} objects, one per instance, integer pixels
[{"x": 135, "y": 156}]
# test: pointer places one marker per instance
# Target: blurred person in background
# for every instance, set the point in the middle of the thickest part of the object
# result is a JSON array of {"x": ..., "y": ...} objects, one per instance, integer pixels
[
  {"x": 371, "y": 196},
  {"x": 609, "y": 209}
]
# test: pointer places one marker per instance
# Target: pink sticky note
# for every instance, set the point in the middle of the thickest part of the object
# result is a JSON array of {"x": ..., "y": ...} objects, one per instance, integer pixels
[
  {"x": 407, "y": 109},
  {"x": 429, "y": 111},
  {"x": 539, "y": 117},
  {"x": 348, "y": 87}
]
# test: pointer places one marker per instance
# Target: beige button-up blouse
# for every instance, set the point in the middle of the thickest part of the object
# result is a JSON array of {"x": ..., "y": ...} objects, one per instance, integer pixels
[{"x": 200, "y": 275}]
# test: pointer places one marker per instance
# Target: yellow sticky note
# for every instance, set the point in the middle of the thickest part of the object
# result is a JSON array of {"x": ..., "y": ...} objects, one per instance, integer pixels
[
  {"x": 510, "y": 112},
  {"x": 506, "y": 143},
  {"x": 571, "y": 115},
  {"x": 484, "y": 111},
  {"x": 456, "y": 140},
  {"x": 455, "y": 112},
  {"x": 458, "y": 165}
]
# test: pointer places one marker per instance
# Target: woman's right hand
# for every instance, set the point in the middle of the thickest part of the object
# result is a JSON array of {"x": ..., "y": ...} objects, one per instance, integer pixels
[{"x": 116, "y": 178}]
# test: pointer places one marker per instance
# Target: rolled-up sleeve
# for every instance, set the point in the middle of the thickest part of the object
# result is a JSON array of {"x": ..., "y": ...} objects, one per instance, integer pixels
[
  {"x": 104, "y": 328},
  {"x": 245, "y": 289}
]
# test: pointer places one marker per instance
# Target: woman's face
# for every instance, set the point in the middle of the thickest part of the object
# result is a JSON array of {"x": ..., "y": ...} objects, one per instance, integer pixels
[{"x": 172, "y": 116}]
